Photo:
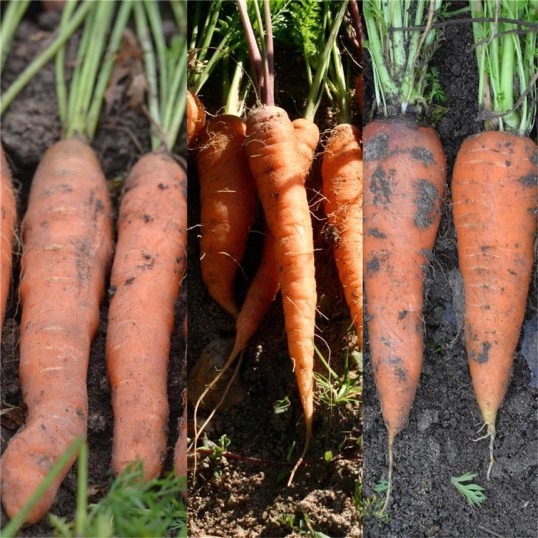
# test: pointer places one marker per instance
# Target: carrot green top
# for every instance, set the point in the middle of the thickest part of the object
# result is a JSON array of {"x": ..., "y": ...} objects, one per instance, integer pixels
[
  {"x": 505, "y": 39},
  {"x": 404, "y": 81}
]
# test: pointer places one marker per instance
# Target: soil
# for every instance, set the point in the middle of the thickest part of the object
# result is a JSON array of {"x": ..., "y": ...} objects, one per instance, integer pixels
[
  {"x": 29, "y": 127},
  {"x": 439, "y": 442},
  {"x": 244, "y": 493}
]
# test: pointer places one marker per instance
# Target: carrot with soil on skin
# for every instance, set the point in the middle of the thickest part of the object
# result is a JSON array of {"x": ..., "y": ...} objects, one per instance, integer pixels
[
  {"x": 228, "y": 205},
  {"x": 341, "y": 171},
  {"x": 404, "y": 182},
  {"x": 9, "y": 223},
  {"x": 149, "y": 264},
  {"x": 495, "y": 203},
  {"x": 67, "y": 249}
]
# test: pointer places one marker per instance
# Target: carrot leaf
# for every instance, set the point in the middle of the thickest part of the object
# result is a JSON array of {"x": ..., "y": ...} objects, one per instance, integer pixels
[{"x": 473, "y": 493}]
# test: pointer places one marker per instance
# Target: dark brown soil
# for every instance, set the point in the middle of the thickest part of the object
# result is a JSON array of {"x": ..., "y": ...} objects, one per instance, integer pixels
[
  {"x": 29, "y": 127},
  {"x": 438, "y": 442}
]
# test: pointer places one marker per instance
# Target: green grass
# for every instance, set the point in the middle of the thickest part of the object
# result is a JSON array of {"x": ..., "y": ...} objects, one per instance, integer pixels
[
  {"x": 132, "y": 507},
  {"x": 334, "y": 390}
]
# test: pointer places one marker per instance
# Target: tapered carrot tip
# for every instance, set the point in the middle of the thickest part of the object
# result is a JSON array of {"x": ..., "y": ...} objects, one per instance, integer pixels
[{"x": 25, "y": 463}]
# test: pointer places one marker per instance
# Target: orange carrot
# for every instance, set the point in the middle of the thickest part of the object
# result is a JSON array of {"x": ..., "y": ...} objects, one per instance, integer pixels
[
  {"x": 148, "y": 267},
  {"x": 228, "y": 204},
  {"x": 494, "y": 198},
  {"x": 9, "y": 222},
  {"x": 67, "y": 247},
  {"x": 278, "y": 170},
  {"x": 342, "y": 190},
  {"x": 195, "y": 117},
  {"x": 404, "y": 181}
]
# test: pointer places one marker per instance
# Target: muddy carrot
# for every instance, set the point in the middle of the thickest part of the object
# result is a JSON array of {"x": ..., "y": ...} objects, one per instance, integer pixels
[{"x": 494, "y": 199}]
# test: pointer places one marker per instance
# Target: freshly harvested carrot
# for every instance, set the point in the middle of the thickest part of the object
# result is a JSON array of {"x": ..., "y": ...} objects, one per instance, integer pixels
[
  {"x": 228, "y": 205},
  {"x": 195, "y": 117},
  {"x": 341, "y": 170},
  {"x": 404, "y": 181},
  {"x": 67, "y": 248},
  {"x": 272, "y": 150},
  {"x": 494, "y": 199},
  {"x": 148, "y": 267},
  {"x": 9, "y": 222}
]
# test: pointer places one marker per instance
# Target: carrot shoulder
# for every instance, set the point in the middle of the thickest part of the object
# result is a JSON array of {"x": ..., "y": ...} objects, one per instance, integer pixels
[
  {"x": 494, "y": 199},
  {"x": 9, "y": 220},
  {"x": 148, "y": 267},
  {"x": 342, "y": 191},
  {"x": 404, "y": 181},
  {"x": 228, "y": 204},
  {"x": 67, "y": 247},
  {"x": 279, "y": 173}
]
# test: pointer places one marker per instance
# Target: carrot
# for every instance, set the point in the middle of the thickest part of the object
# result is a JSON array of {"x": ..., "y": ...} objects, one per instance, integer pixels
[
  {"x": 9, "y": 222},
  {"x": 228, "y": 204},
  {"x": 404, "y": 178},
  {"x": 272, "y": 151},
  {"x": 148, "y": 266},
  {"x": 495, "y": 203},
  {"x": 67, "y": 247},
  {"x": 342, "y": 190},
  {"x": 195, "y": 117},
  {"x": 67, "y": 250},
  {"x": 404, "y": 182}
]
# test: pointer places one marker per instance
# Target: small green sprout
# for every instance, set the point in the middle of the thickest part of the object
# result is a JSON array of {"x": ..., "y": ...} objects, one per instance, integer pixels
[{"x": 473, "y": 493}]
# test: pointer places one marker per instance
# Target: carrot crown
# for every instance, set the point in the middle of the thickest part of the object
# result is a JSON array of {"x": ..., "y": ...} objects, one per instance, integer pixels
[
  {"x": 400, "y": 54},
  {"x": 505, "y": 38}
]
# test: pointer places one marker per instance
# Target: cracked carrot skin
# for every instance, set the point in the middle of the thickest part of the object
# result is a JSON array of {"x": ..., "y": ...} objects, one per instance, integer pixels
[
  {"x": 228, "y": 205},
  {"x": 494, "y": 200},
  {"x": 276, "y": 164},
  {"x": 149, "y": 265},
  {"x": 341, "y": 171},
  {"x": 9, "y": 222},
  {"x": 67, "y": 248},
  {"x": 404, "y": 182}
]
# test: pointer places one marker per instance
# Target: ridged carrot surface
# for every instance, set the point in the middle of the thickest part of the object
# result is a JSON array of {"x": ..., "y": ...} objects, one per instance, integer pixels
[
  {"x": 494, "y": 199},
  {"x": 341, "y": 170},
  {"x": 404, "y": 182},
  {"x": 228, "y": 205},
  {"x": 149, "y": 265},
  {"x": 67, "y": 247},
  {"x": 275, "y": 162}
]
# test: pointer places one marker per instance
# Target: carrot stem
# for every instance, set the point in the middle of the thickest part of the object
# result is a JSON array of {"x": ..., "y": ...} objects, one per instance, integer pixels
[
  {"x": 43, "y": 58},
  {"x": 14, "y": 13},
  {"x": 106, "y": 69}
]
